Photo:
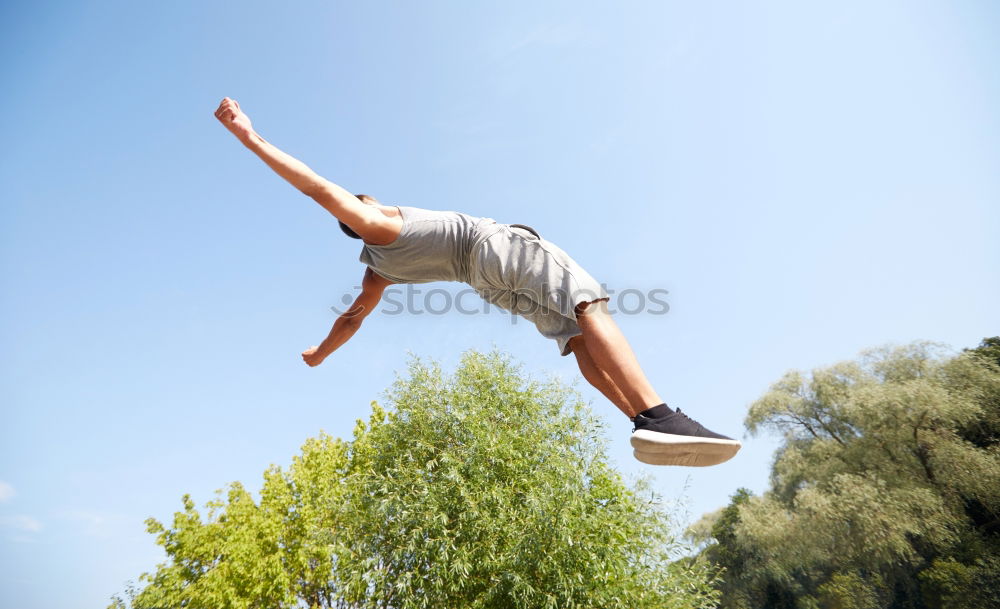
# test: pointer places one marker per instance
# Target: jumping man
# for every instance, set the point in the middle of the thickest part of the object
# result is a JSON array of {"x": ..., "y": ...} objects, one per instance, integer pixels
[{"x": 509, "y": 265}]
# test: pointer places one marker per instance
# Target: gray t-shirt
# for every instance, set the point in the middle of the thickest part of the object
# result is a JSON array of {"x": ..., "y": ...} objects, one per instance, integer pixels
[{"x": 432, "y": 246}]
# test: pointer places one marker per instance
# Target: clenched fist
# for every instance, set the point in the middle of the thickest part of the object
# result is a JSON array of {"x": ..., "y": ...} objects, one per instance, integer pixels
[
  {"x": 234, "y": 119},
  {"x": 312, "y": 356}
]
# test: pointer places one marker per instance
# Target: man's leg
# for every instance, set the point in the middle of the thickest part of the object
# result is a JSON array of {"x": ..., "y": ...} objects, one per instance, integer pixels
[
  {"x": 613, "y": 357},
  {"x": 597, "y": 377},
  {"x": 659, "y": 438}
]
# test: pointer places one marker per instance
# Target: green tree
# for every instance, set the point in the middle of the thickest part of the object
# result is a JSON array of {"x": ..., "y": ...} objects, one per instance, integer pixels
[
  {"x": 482, "y": 488},
  {"x": 275, "y": 552},
  {"x": 984, "y": 431},
  {"x": 747, "y": 578},
  {"x": 889, "y": 463},
  {"x": 989, "y": 349}
]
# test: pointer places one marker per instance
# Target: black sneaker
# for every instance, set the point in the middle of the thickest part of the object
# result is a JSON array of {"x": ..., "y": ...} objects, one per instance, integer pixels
[{"x": 677, "y": 439}]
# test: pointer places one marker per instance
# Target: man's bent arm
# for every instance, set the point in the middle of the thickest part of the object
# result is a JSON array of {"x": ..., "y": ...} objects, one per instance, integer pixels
[
  {"x": 372, "y": 287},
  {"x": 341, "y": 332}
]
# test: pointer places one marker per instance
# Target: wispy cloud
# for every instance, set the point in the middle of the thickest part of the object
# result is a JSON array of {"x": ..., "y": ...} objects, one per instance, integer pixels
[
  {"x": 7, "y": 492},
  {"x": 21, "y": 522}
]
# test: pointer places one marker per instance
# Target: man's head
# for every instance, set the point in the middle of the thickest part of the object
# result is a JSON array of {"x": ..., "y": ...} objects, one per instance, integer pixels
[{"x": 367, "y": 200}]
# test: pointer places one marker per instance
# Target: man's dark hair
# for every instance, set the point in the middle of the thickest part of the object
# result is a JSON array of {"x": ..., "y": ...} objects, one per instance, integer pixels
[{"x": 347, "y": 229}]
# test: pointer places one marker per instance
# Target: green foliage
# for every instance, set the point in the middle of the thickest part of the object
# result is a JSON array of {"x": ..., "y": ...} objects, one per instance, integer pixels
[
  {"x": 749, "y": 579},
  {"x": 955, "y": 585},
  {"x": 850, "y": 591},
  {"x": 889, "y": 464},
  {"x": 476, "y": 489},
  {"x": 989, "y": 349},
  {"x": 945, "y": 582},
  {"x": 247, "y": 554}
]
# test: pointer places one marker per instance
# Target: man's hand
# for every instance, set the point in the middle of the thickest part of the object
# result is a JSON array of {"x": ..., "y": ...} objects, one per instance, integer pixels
[
  {"x": 312, "y": 357},
  {"x": 234, "y": 119}
]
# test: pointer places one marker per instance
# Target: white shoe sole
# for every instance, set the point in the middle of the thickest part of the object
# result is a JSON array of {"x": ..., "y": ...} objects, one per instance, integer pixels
[{"x": 656, "y": 448}]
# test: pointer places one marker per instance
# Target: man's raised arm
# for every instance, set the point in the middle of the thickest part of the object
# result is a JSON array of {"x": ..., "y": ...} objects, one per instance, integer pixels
[{"x": 335, "y": 199}]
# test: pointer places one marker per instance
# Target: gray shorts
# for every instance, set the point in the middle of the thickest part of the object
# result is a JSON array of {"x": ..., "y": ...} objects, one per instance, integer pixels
[{"x": 522, "y": 273}]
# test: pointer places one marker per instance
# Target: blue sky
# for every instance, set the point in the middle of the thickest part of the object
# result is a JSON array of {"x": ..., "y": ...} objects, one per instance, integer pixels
[{"x": 805, "y": 179}]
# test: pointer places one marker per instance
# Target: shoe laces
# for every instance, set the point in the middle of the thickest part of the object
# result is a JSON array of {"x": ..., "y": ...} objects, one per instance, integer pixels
[
  {"x": 698, "y": 425},
  {"x": 635, "y": 426}
]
